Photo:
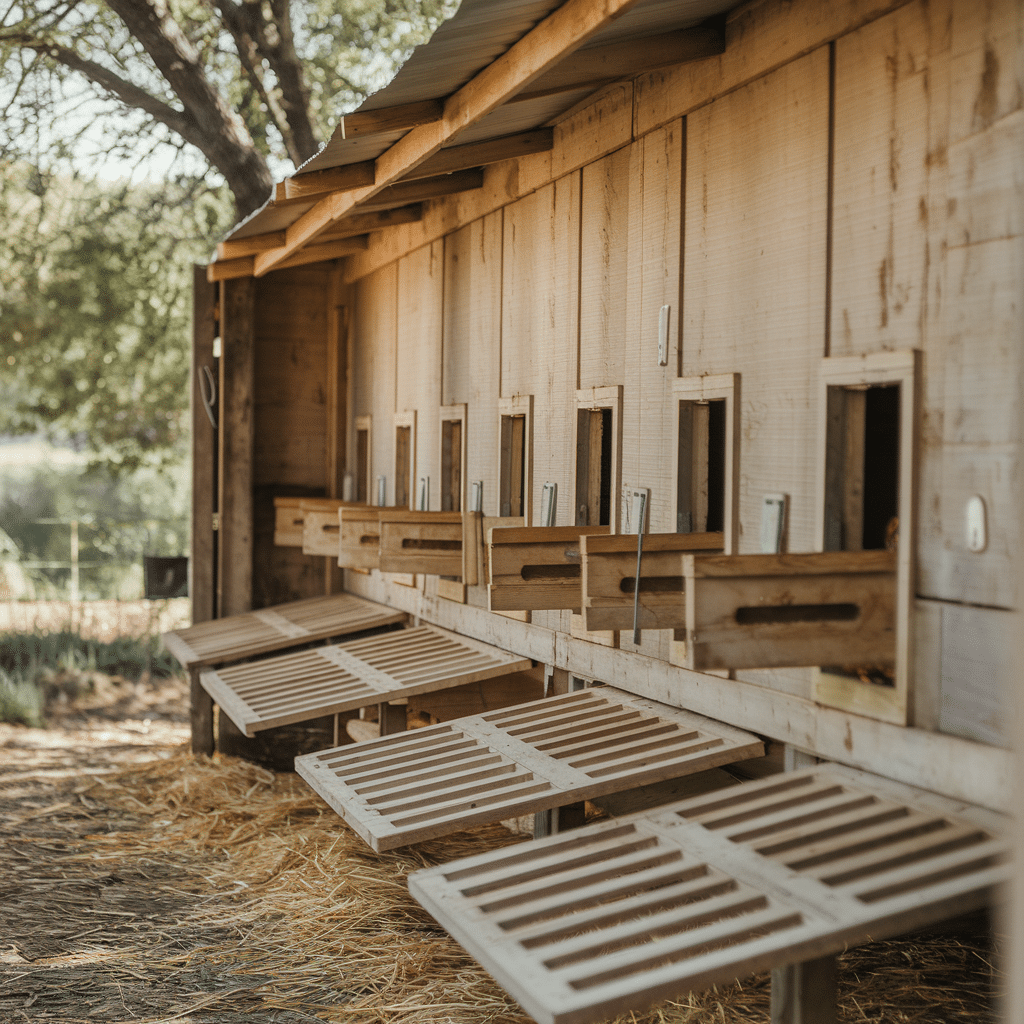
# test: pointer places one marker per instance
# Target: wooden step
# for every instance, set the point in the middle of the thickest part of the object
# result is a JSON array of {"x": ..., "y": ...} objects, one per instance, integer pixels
[
  {"x": 338, "y": 677},
  {"x": 427, "y": 542},
  {"x": 765, "y": 611},
  {"x": 609, "y": 575},
  {"x": 617, "y": 916},
  {"x": 359, "y": 538},
  {"x": 503, "y": 764},
  {"x": 271, "y": 629},
  {"x": 320, "y": 526},
  {"x": 537, "y": 567}
]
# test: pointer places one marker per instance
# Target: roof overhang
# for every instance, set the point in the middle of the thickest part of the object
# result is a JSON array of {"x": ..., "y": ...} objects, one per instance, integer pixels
[{"x": 506, "y": 72}]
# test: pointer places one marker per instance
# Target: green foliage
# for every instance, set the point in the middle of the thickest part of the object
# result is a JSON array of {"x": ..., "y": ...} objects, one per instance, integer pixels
[
  {"x": 21, "y": 700},
  {"x": 33, "y": 655},
  {"x": 120, "y": 519},
  {"x": 95, "y": 309},
  {"x": 35, "y": 665}
]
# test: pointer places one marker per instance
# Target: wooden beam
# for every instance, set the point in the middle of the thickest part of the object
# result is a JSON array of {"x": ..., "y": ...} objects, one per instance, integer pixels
[
  {"x": 424, "y": 188},
  {"x": 237, "y": 248},
  {"x": 226, "y": 270},
  {"x": 389, "y": 119},
  {"x": 479, "y": 154},
  {"x": 331, "y": 179},
  {"x": 360, "y": 223},
  {"x": 629, "y": 59},
  {"x": 564, "y": 30},
  {"x": 326, "y": 251}
]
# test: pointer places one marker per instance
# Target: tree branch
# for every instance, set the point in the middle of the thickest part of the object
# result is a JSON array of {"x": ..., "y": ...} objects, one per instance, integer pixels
[{"x": 213, "y": 126}]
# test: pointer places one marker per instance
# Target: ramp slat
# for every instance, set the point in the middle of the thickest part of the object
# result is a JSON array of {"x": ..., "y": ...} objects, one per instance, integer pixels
[
  {"x": 542, "y": 755},
  {"x": 339, "y": 677},
  {"x": 615, "y": 917},
  {"x": 271, "y": 629}
]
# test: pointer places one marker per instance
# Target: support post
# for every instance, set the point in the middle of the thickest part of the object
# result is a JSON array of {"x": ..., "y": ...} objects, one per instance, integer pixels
[
  {"x": 202, "y": 716},
  {"x": 805, "y": 993},
  {"x": 559, "y": 819},
  {"x": 391, "y": 718}
]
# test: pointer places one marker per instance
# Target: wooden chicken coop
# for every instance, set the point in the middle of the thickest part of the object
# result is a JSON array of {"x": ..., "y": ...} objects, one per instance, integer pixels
[{"x": 666, "y": 357}]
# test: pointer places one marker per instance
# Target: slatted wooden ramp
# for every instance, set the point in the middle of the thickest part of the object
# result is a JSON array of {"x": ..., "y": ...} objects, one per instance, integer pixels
[
  {"x": 338, "y": 677},
  {"x": 548, "y": 753},
  {"x": 270, "y": 629},
  {"x": 617, "y": 916}
]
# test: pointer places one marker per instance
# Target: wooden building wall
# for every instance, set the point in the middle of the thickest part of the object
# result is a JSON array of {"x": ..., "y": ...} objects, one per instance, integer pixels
[{"x": 844, "y": 181}]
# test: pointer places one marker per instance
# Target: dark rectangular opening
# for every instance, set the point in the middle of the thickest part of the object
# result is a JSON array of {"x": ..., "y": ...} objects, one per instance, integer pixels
[
  {"x": 594, "y": 450},
  {"x": 862, "y": 468},
  {"x": 513, "y": 466},
  {"x": 403, "y": 466},
  {"x": 451, "y": 466},
  {"x": 700, "y": 497},
  {"x": 362, "y": 465}
]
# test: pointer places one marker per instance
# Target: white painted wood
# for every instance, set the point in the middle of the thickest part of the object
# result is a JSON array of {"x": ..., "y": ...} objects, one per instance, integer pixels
[
  {"x": 516, "y": 761},
  {"x": 270, "y": 629},
  {"x": 619, "y": 915},
  {"x": 340, "y": 677}
]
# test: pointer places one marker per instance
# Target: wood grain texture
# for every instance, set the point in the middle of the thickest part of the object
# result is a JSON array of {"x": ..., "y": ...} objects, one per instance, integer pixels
[
  {"x": 418, "y": 365},
  {"x": 300, "y": 686},
  {"x": 237, "y": 427},
  {"x": 472, "y": 343},
  {"x": 880, "y": 184},
  {"x": 754, "y": 280},
  {"x": 269, "y": 629},
  {"x": 202, "y": 585},
  {"x": 506, "y": 763},
  {"x": 540, "y": 326},
  {"x": 622, "y": 914}
]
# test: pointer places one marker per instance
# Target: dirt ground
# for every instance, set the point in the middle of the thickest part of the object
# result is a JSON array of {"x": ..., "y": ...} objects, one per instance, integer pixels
[{"x": 140, "y": 884}]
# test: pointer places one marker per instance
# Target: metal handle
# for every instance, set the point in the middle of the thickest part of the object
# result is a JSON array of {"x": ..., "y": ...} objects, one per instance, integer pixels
[{"x": 208, "y": 393}]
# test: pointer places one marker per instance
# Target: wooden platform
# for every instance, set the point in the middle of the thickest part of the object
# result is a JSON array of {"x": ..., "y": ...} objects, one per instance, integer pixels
[
  {"x": 585, "y": 925},
  {"x": 320, "y": 527},
  {"x": 427, "y": 542},
  {"x": 764, "y": 611},
  {"x": 502, "y": 764},
  {"x": 338, "y": 677},
  {"x": 609, "y": 574},
  {"x": 271, "y": 629},
  {"x": 538, "y": 567},
  {"x": 359, "y": 538}
]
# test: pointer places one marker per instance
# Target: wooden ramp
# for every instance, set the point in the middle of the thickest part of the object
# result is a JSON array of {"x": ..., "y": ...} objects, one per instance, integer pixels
[
  {"x": 270, "y": 629},
  {"x": 548, "y": 753},
  {"x": 339, "y": 677},
  {"x": 588, "y": 924}
]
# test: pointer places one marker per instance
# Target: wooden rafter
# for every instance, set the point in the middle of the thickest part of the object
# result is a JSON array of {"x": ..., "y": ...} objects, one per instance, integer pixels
[
  {"x": 540, "y": 49},
  {"x": 225, "y": 270},
  {"x": 403, "y": 192},
  {"x": 239, "y": 247},
  {"x": 600, "y": 64},
  {"x": 359, "y": 223}
]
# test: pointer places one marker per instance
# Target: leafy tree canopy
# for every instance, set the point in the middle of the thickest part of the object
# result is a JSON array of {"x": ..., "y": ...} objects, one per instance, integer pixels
[
  {"x": 95, "y": 306},
  {"x": 245, "y": 87}
]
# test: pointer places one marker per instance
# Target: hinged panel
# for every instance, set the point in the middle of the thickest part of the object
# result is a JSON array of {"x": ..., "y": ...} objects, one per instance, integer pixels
[
  {"x": 609, "y": 575},
  {"x": 502, "y": 764},
  {"x": 320, "y": 525},
  {"x": 427, "y": 542},
  {"x": 286, "y": 625},
  {"x": 763, "y": 611},
  {"x": 339, "y": 677},
  {"x": 538, "y": 567},
  {"x": 359, "y": 538},
  {"x": 611, "y": 918}
]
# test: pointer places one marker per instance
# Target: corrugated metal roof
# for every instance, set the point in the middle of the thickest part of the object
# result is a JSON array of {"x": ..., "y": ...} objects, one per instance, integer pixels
[{"x": 478, "y": 33}]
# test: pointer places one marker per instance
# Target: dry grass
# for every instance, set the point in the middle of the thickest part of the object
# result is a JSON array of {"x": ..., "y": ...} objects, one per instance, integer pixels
[{"x": 199, "y": 890}]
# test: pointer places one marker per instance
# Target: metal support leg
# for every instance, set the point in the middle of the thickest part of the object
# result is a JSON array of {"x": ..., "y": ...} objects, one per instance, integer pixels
[{"x": 805, "y": 993}]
